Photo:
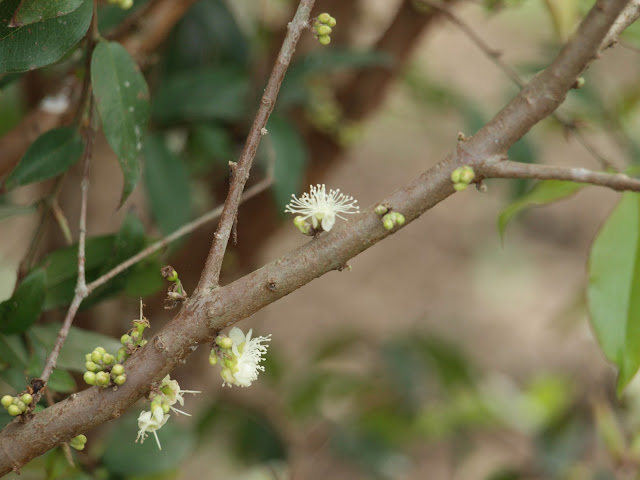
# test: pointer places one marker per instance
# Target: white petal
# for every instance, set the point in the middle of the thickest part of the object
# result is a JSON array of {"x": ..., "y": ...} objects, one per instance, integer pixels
[
  {"x": 236, "y": 335},
  {"x": 328, "y": 221}
]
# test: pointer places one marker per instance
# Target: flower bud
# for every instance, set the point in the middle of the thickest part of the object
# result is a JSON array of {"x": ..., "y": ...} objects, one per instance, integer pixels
[
  {"x": 122, "y": 354},
  {"x": 166, "y": 408},
  {"x": 224, "y": 342},
  {"x": 120, "y": 379},
  {"x": 96, "y": 356},
  {"x": 143, "y": 343},
  {"x": 387, "y": 222},
  {"x": 467, "y": 174},
  {"x": 460, "y": 186},
  {"x": 117, "y": 369},
  {"x": 455, "y": 175},
  {"x": 173, "y": 277},
  {"x": 399, "y": 218},
  {"x": 324, "y": 39},
  {"x": 90, "y": 378},
  {"x": 381, "y": 209},
  {"x": 6, "y": 401},
  {"x": 100, "y": 350},
  {"x": 213, "y": 358},
  {"x": 135, "y": 335},
  {"x": 87, "y": 357},
  {"x": 126, "y": 4},
  {"x": 92, "y": 367},
  {"x": 102, "y": 379},
  {"x": 124, "y": 339},
  {"x": 331, "y": 22},
  {"x": 107, "y": 359},
  {"x": 324, "y": 18},
  {"x": 20, "y": 404},
  {"x": 227, "y": 375},
  {"x": 14, "y": 410},
  {"x": 323, "y": 30},
  {"x": 26, "y": 398}
]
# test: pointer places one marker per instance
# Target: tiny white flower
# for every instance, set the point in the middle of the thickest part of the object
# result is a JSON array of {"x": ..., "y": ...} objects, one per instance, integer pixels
[
  {"x": 172, "y": 393},
  {"x": 150, "y": 423},
  {"x": 247, "y": 354},
  {"x": 322, "y": 207}
]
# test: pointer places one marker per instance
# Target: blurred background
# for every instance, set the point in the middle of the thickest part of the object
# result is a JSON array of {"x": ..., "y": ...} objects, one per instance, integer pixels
[{"x": 448, "y": 351}]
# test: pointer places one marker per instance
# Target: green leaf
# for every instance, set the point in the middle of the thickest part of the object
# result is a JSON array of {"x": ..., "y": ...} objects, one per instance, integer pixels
[
  {"x": 79, "y": 342},
  {"x": 9, "y": 211},
  {"x": 613, "y": 292},
  {"x": 144, "y": 279},
  {"x": 51, "y": 154},
  {"x": 59, "y": 381},
  {"x": 34, "y": 46},
  {"x": 167, "y": 185},
  {"x": 13, "y": 361},
  {"x": 546, "y": 191},
  {"x": 123, "y": 457},
  {"x": 32, "y": 11},
  {"x": 210, "y": 93},
  {"x": 122, "y": 97},
  {"x": 22, "y": 310},
  {"x": 290, "y": 157},
  {"x": 209, "y": 146}
]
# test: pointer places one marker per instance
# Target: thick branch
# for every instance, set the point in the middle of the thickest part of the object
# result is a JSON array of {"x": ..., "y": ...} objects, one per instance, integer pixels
[
  {"x": 508, "y": 169},
  {"x": 211, "y": 272},
  {"x": 209, "y": 311}
]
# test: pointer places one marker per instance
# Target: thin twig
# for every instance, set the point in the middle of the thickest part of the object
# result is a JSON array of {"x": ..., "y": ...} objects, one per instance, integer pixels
[
  {"x": 184, "y": 230},
  {"x": 211, "y": 272},
  {"x": 626, "y": 18},
  {"x": 509, "y": 169}
]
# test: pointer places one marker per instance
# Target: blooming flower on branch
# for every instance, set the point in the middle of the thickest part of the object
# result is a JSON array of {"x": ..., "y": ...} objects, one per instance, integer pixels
[
  {"x": 171, "y": 393},
  {"x": 242, "y": 362},
  {"x": 147, "y": 422},
  {"x": 322, "y": 207}
]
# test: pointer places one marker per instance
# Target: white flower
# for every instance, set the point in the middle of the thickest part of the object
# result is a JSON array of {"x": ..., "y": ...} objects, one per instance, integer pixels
[
  {"x": 247, "y": 353},
  {"x": 150, "y": 423},
  {"x": 322, "y": 207},
  {"x": 172, "y": 393}
]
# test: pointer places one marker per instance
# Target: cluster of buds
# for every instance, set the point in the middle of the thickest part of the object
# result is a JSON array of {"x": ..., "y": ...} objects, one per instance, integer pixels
[
  {"x": 134, "y": 338},
  {"x": 163, "y": 397},
  {"x": 176, "y": 293},
  {"x": 462, "y": 177},
  {"x": 17, "y": 405},
  {"x": 239, "y": 357},
  {"x": 78, "y": 442},
  {"x": 102, "y": 369},
  {"x": 323, "y": 27},
  {"x": 389, "y": 219},
  {"x": 123, "y": 4}
]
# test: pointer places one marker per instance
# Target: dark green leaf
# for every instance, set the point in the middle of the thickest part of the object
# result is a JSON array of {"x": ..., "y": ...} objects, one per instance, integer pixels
[
  {"x": 59, "y": 381},
  {"x": 62, "y": 269},
  {"x": 202, "y": 94},
  {"x": 209, "y": 145},
  {"x": 167, "y": 183},
  {"x": 51, "y": 154},
  {"x": 22, "y": 310},
  {"x": 290, "y": 159},
  {"x": 124, "y": 457},
  {"x": 31, "y": 11},
  {"x": 79, "y": 342},
  {"x": 545, "y": 192},
  {"x": 13, "y": 361},
  {"x": 254, "y": 438},
  {"x": 37, "y": 45},
  {"x": 614, "y": 288},
  {"x": 122, "y": 98},
  {"x": 144, "y": 279}
]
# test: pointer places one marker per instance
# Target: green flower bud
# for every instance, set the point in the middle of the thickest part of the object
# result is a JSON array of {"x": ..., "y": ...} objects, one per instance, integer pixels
[
  {"x": 224, "y": 342},
  {"x": 324, "y": 18},
  {"x": 331, "y": 22},
  {"x": 298, "y": 221},
  {"x": 124, "y": 339},
  {"x": 387, "y": 222},
  {"x": 399, "y": 218},
  {"x": 323, "y": 30},
  {"x": 455, "y": 175},
  {"x": 80, "y": 439},
  {"x": 120, "y": 379},
  {"x": 135, "y": 335},
  {"x": 173, "y": 277},
  {"x": 467, "y": 174},
  {"x": 213, "y": 359},
  {"x": 87, "y": 357},
  {"x": 381, "y": 209},
  {"x": 26, "y": 398},
  {"x": 6, "y": 401},
  {"x": 90, "y": 378},
  {"x": 92, "y": 367},
  {"x": 156, "y": 403},
  {"x": 324, "y": 39},
  {"x": 100, "y": 350},
  {"x": 580, "y": 81},
  {"x": 126, "y": 4},
  {"x": 227, "y": 375},
  {"x": 20, "y": 404},
  {"x": 117, "y": 369},
  {"x": 107, "y": 359},
  {"x": 166, "y": 408},
  {"x": 76, "y": 446},
  {"x": 460, "y": 186},
  {"x": 96, "y": 356},
  {"x": 102, "y": 379},
  {"x": 122, "y": 354},
  {"x": 143, "y": 343},
  {"x": 14, "y": 410}
]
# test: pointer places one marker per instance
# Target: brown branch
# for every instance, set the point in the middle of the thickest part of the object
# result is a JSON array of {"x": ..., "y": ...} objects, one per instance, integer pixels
[
  {"x": 207, "y": 312},
  {"x": 508, "y": 169},
  {"x": 211, "y": 273}
]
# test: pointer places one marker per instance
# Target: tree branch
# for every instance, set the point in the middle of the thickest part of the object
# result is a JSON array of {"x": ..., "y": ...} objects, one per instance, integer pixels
[
  {"x": 508, "y": 169},
  {"x": 204, "y": 314},
  {"x": 211, "y": 272}
]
